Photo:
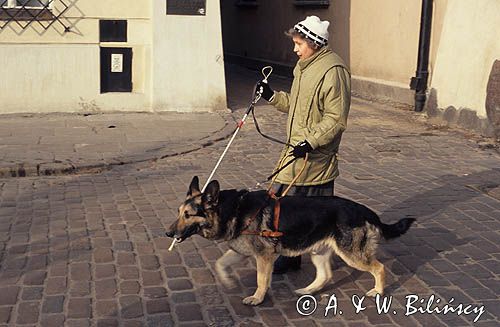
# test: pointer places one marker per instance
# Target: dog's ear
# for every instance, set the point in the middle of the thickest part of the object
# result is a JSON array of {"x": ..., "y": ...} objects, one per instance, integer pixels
[
  {"x": 211, "y": 195},
  {"x": 194, "y": 187}
]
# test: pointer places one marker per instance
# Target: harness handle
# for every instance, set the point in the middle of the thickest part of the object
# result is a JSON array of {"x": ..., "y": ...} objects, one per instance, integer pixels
[{"x": 296, "y": 177}]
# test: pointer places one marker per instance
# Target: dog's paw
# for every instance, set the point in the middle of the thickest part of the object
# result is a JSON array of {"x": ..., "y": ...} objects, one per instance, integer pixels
[
  {"x": 373, "y": 292},
  {"x": 229, "y": 283},
  {"x": 252, "y": 300},
  {"x": 302, "y": 291}
]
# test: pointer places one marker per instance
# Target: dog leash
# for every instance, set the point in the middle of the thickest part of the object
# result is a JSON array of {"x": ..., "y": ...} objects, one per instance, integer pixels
[{"x": 257, "y": 127}]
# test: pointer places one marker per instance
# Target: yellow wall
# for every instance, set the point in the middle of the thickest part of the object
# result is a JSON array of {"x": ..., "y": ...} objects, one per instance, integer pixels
[
  {"x": 468, "y": 46},
  {"x": 38, "y": 76},
  {"x": 56, "y": 71},
  {"x": 384, "y": 39}
]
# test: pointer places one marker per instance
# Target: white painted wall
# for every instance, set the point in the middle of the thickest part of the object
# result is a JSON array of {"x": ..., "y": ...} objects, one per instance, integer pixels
[
  {"x": 60, "y": 78},
  {"x": 469, "y": 44},
  {"x": 188, "y": 65},
  {"x": 53, "y": 71},
  {"x": 45, "y": 78}
]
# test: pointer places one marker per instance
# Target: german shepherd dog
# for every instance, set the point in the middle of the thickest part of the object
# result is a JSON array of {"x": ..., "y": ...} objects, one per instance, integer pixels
[{"x": 320, "y": 226}]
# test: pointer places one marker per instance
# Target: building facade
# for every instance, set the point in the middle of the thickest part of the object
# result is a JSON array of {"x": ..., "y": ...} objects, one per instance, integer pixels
[
  {"x": 159, "y": 55},
  {"x": 379, "y": 40},
  {"x": 127, "y": 55}
]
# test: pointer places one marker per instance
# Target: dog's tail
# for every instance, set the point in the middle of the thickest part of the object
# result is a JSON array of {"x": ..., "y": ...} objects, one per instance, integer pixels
[{"x": 396, "y": 229}]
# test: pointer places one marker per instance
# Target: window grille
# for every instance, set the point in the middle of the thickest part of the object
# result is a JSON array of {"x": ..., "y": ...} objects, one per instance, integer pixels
[{"x": 25, "y": 12}]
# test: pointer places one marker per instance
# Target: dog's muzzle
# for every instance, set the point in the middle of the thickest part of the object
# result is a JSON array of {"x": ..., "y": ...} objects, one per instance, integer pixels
[{"x": 188, "y": 232}]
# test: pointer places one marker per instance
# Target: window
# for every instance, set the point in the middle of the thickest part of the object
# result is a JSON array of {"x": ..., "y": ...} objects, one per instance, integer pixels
[
  {"x": 27, "y": 3},
  {"x": 33, "y": 3},
  {"x": 312, "y": 3},
  {"x": 112, "y": 30},
  {"x": 8, "y": 3},
  {"x": 25, "y": 11}
]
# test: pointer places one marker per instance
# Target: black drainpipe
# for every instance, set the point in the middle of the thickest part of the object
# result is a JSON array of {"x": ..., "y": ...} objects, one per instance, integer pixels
[{"x": 419, "y": 83}]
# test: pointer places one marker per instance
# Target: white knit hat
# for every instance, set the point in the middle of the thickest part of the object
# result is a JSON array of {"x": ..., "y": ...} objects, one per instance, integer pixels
[{"x": 314, "y": 29}]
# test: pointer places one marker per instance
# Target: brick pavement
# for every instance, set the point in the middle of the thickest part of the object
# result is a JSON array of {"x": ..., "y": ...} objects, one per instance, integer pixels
[{"x": 88, "y": 250}]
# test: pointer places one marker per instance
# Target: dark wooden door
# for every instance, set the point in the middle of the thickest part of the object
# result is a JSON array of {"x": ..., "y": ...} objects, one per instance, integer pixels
[{"x": 116, "y": 70}]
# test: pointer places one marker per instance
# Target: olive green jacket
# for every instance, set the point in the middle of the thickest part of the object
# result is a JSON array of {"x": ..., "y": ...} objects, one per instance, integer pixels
[{"x": 317, "y": 106}]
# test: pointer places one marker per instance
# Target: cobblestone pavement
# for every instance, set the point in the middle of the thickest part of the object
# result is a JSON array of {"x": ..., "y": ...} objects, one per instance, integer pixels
[{"x": 88, "y": 250}]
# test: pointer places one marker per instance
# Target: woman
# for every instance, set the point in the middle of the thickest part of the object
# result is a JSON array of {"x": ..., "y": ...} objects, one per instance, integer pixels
[{"x": 318, "y": 106}]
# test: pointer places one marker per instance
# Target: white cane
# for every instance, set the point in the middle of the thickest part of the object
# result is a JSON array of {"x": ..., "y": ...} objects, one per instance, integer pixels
[
  {"x": 256, "y": 98},
  {"x": 240, "y": 124}
]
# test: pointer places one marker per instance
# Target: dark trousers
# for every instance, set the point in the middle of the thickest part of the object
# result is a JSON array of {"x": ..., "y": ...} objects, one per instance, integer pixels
[
  {"x": 313, "y": 190},
  {"x": 283, "y": 264}
]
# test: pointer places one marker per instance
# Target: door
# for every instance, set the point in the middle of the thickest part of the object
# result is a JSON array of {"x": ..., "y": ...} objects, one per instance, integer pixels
[{"x": 116, "y": 70}]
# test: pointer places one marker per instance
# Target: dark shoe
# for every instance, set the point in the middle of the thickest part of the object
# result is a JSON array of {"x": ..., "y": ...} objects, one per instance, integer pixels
[{"x": 284, "y": 264}]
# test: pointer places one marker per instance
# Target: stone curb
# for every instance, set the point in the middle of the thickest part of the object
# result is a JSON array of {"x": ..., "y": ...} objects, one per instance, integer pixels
[{"x": 149, "y": 155}]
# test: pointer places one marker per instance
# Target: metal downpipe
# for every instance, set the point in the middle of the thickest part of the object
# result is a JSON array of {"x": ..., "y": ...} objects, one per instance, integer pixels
[{"x": 419, "y": 82}]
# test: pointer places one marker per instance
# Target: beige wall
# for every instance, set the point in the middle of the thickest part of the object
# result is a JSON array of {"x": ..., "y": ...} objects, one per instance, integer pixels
[
  {"x": 53, "y": 71},
  {"x": 188, "y": 60},
  {"x": 83, "y": 19},
  {"x": 177, "y": 61},
  {"x": 44, "y": 79}
]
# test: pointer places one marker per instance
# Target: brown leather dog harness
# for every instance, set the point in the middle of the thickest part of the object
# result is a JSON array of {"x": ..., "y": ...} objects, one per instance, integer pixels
[{"x": 276, "y": 220}]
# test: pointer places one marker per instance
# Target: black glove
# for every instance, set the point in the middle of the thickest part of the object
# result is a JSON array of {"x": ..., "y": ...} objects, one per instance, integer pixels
[
  {"x": 265, "y": 91},
  {"x": 300, "y": 150}
]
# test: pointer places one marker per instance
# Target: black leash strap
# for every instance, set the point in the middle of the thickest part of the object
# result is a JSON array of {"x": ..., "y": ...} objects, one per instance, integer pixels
[
  {"x": 279, "y": 170},
  {"x": 257, "y": 127},
  {"x": 264, "y": 135}
]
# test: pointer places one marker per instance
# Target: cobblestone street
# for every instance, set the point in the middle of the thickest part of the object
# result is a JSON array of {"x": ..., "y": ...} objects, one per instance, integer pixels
[{"x": 89, "y": 249}]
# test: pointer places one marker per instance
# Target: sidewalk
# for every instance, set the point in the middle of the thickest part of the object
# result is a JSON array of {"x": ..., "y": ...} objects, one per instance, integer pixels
[{"x": 53, "y": 144}]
